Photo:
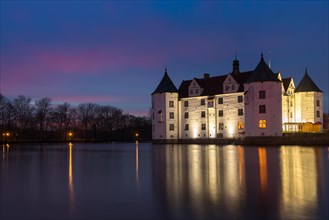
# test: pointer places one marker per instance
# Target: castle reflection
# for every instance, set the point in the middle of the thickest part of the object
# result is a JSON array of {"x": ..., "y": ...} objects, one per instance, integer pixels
[{"x": 232, "y": 181}]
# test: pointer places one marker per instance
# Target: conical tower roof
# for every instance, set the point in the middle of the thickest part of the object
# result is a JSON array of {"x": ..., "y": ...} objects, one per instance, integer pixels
[
  {"x": 262, "y": 73},
  {"x": 307, "y": 84},
  {"x": 165, "y": 85}
]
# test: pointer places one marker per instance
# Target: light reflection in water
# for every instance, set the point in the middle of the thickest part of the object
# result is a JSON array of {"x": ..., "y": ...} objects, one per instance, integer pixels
[
  {"x": 136, "y": 165},
  {"x": 299, "y": 181},
  {"x": 262, "y": 168},
  {"x": 71, "y": 186}
]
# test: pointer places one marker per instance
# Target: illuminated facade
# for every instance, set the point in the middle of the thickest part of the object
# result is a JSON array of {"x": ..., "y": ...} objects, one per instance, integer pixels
[{"x": 235, "y": 105}]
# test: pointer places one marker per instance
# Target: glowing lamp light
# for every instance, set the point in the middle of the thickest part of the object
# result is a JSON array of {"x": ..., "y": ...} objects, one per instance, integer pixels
[{"x": 70, "y": 134}]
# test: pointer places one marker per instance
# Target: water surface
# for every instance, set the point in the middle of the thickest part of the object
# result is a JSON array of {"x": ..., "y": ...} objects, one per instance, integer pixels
[{"x": 145, "y": 181}]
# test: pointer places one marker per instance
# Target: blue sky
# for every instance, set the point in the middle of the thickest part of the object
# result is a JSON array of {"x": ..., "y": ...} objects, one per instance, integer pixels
[{"x": 114, "y": 52}]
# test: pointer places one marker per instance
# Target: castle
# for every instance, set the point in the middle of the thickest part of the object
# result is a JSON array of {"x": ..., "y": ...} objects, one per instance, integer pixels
[{"x": 236, "y": 105}]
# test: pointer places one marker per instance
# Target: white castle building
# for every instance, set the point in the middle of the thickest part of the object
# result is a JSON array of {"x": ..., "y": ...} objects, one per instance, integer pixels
[{"x": 236, "y": 105}]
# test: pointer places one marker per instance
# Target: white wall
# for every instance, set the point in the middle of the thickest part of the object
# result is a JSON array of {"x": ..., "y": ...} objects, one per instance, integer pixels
[{"x": 273, "y": 115}]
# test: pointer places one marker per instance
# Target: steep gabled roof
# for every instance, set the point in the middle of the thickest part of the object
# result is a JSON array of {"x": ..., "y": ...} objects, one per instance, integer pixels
[
  {"x": 241, "y": 78},
  {"x": 307, "y": 85},
  {"x": 165, "y": 85},
  {"x": 262, "y": 73},
  {"x": 286, "y": 83}
]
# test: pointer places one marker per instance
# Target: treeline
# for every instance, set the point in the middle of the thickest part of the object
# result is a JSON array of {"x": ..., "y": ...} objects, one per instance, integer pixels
[{"x": 22, "y": 120}]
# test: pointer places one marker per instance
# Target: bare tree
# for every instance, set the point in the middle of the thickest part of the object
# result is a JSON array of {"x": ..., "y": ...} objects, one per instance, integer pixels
[
  {"x": 22, "y": 112},
  {"x": 43, "y": 109}
]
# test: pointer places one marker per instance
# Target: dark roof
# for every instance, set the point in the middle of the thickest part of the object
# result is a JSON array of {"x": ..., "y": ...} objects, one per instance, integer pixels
[
  {"x": 165, "y": 85},
  {"x": 262, "y": 73},
  {"x": 213, "y": 85},
  {"x": 307, "y": 85},
  {"x": 286, "y": 83}
]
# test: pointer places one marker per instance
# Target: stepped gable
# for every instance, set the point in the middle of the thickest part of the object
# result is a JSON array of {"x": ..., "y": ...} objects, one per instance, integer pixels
[
  {"x": 165, "y": 85},
  {"x": 262, "y": 73},
  {"x": 307, "y": 84},
  {"x": 286, "y": 83}
]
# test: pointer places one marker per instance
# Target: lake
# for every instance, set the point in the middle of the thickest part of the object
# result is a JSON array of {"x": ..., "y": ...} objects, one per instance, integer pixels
[{"x": 145, "y": 181}]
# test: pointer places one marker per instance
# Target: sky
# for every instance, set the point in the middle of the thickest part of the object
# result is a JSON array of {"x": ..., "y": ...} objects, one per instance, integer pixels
[{"x": 115, "y": 52}]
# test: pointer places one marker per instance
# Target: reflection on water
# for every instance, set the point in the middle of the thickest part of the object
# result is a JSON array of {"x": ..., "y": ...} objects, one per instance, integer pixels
[
  {"x": 136, "y": 165},
  {"x": 235, "y": 181},
  {"x": 144, "y": 181},
  {"x": 71, "y": 187}
]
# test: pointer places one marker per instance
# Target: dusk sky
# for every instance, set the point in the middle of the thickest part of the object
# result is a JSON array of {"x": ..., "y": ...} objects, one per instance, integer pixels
[{"x": 115, "y": 52}]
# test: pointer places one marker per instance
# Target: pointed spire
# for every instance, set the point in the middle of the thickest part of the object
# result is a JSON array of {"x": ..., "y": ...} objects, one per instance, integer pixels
[
  {"x": 236, "y": 65},
  {"x": 165, "y": 85},
  {"x": 261, "y": 55},
  {"x": 307, "y": 84},
  {"x": 269, "y": 59}
]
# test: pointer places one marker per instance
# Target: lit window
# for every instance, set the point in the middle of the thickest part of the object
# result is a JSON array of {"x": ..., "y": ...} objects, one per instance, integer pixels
[
  {"x": 240, "y": 111},
  {"x": 240, "y": 125},
  {"x": 171, "y": 115},
  {"x": 220, "y": 100},
  {"x": 171, "y": 127},
  {"x": 186, "y": 127},
  {"x": 240, "y": 98},
  {"x": 262, "y": 123},
  {"x": 203, "y": 101},
  {"x": 203, "y": 126},
  {"x": 186, "y": 115},
  {"x": 220, "y": 113},
  {"x": 203, "y": 114},
  {"x": 262, "y": 109},
  {"x": 221, "y": 126},
  {"x": 185, "y": 103},
  {"x": 171, "y": 104},
  {"x": 262, "y": 94}
]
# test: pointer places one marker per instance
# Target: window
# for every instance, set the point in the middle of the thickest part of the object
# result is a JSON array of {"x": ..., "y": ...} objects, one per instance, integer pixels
[
  {"x": 171, "y": 115},
  {"x": 220, "y": 100},
  {"x": 210, "y": 104},
  {"x": 203, "y": 126},
  {"x": 186, "y": 127},
  {"x": 196, "y": 91},
  {"x": 171, "y": 127},
  {"x": 185, "y": 103},
  {"x": 221, "y": 126},
  {"x": 240, "y": 125},
  {"x": 191, "y": 91},
  {"x": 290, "y": 103},
  {"x": 203, "y": 114},
  {"x": 262, "y": 109},
  {"x": 262, "y": 123},
  {"x": 203, "y": 101},
  {"x": 160, "y": 116},
  {"x": 220, "y": 113},
  {"x": 262, "y": 94},
  {"x": 317, "y": 102},
  {"x": 186, "y": 115},
  {"x": 290, "y": 114},
  {"x": 240, "y": 111},
  {"x": 227, "y": 88},
  {"x": 171, "y": 104},
  {"x": 240, "y": 98},
  {"x": 318, "y": 114}
]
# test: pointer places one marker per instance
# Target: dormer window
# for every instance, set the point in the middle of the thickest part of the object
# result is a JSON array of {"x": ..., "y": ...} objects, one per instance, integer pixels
[
  {"x": 191, "y": 91},
  {"x": 227, "y": 88}
]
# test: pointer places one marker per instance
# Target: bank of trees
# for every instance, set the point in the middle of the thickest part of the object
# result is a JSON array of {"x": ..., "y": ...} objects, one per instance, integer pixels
[{"x": 21, "y": 119}]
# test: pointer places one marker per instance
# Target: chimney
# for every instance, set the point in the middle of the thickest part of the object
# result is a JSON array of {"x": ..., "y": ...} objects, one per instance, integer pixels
[{"x": 206, "y": 75}]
